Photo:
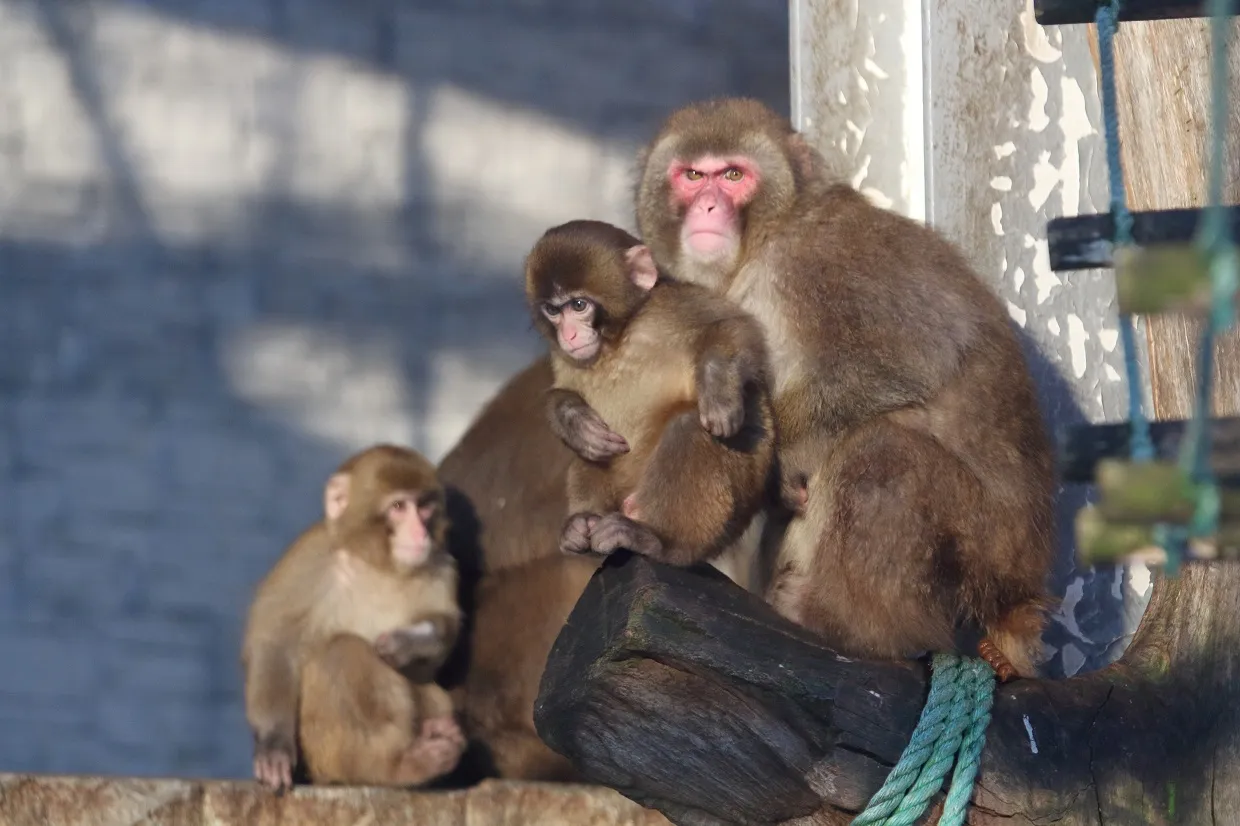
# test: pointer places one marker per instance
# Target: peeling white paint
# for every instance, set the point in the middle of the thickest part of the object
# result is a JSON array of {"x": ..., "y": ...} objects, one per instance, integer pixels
[
  {"x": 1045, "y": 176},
  {"x": 1075, "y": 125},
  {"x": 1052, "y": 324},
  {"x": 1001, "y": 182},
  {"x": 1037, "y": 45},
  {"x": 1004, "y": 149},
  {"x": 1112, "y": 374},
  {"x": 1108, "y": 337},
  {"x": 1139, "y": 577},
  {"x": 1038, "y": 119},
  {"x": 996, "y": 217},
  {"x": 1018, "y": 314},
  {"x": 1033, "y": 744},
  {"x": 874, "y": 69},
  {"x": 1043, "y": 276},
  {"x": 1018, "y": 277},
  {"x": 1076, "y": 344}
]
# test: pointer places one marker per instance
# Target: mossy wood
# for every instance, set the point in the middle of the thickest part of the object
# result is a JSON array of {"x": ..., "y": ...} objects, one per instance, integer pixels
[{"x": 689, "y": 695}]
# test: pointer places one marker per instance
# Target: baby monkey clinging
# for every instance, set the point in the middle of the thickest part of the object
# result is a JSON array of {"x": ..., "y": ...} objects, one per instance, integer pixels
[{"x": 660, "y": 390}]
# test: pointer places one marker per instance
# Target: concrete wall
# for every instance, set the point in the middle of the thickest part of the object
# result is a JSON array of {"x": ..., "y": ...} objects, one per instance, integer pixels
[
  {"x": 241, "y": 238},
  {"x": 971, "y": 116}
]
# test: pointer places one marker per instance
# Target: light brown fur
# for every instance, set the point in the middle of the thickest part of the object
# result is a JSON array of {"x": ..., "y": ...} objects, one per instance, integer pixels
[
  {"x": 313, "y": 674},
  {"x": 696, "y": 492},
  {"x": 901, "y": 394}
]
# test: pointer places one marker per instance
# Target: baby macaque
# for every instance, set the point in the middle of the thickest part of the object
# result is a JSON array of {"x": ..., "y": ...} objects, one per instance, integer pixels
[
  {"x": 660, "y": 389},
  {"x": 347, "y": 630}
]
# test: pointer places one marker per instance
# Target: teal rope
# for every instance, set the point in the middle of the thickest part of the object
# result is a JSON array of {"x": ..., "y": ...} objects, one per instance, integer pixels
[
  {"x": 1142, "y": 445},
  {"x": 954, "y": 719}
]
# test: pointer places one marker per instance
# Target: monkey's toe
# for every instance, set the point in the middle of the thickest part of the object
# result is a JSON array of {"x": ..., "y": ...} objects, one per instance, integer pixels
[
  {"x": 274, "y": 770},
  {"x": 443, "y": 728},
  {"x": 575, "y": 538},
  {"x": 615, "y": 531},
  {"x": 996, "y": 659}
]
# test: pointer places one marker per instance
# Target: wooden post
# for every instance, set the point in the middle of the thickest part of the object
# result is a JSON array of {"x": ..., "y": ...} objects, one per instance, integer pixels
[{"x": 1163, "y": 88}]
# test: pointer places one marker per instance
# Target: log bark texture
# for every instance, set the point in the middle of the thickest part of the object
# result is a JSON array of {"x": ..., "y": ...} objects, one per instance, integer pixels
[{"x": 689, "y": 695}]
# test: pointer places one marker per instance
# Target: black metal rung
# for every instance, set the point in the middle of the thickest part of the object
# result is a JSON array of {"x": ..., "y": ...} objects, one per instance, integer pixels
[
  {"x": 1068, "y": 12},
  {"x": 1081, "y": 447},
  {"x": 1084, "y": 242}
]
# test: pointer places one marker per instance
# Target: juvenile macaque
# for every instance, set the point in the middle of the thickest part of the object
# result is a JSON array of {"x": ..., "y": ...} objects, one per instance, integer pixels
[
  {"x": 659, "y": 388},
  {"x": 347, "y": 630},
  {"x": 901, "y": 394}
]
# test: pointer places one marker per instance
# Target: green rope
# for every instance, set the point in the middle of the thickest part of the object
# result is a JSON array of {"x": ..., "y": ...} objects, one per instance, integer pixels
[{"x": 954, "y": 720}]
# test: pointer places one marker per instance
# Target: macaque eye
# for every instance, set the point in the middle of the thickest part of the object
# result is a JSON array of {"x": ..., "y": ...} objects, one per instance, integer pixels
[
  {"x": 579, "y": 305},
  {"x": 550, "y": 310},
  {"x": 693, "y": 174},
  {"x": 733, "y": 174}
]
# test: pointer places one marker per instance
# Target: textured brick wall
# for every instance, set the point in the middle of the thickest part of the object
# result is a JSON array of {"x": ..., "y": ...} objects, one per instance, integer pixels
[{"x": 240, "y": 238}]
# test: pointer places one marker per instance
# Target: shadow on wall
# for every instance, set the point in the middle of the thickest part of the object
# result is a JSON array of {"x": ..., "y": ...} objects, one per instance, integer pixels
[{"x": 243, "y": 239}]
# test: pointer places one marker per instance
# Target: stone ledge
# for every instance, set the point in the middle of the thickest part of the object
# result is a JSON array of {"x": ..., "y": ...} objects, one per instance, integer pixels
[{"x": 47, "y": 800}]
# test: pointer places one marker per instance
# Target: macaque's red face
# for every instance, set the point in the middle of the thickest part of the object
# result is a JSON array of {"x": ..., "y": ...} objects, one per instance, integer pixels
[
  {"x": 409, "y": 528},
  {"x": 574, "y": 321},
  {"x": 712, "y": 191}
]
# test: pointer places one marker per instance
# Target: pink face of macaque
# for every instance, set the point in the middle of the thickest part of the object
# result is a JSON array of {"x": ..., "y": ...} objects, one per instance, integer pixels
[
  {"x": 574, "y": 326},
  {"x": 712, "y": 191},
  {"x": 411, "y": 542}
]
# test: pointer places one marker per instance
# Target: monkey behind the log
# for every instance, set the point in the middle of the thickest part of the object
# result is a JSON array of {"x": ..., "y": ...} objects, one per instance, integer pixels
[
  {"x": 347, "y": 630},
  {"x": 901, "y": 393},
  {"x": 660, "y": 389}
]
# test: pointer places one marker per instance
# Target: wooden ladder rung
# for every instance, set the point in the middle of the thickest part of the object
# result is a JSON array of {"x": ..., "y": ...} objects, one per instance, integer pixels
[{"x": 1069, "y": 12}]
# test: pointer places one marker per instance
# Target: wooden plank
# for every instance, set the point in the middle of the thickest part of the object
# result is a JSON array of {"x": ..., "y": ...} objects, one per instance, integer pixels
[
  {"x": 1083, "y": 446},
  {"x": 1163, "y": 89},
  {"x": 1083, "y": 242},
  {"x": 1069, "y": 12}
]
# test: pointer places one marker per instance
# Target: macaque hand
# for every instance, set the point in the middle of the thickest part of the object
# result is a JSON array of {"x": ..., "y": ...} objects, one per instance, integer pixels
[
  {"x": 585, "y": 433},
  {"x": 721, "y": 400},
  {"x": 401, "y": 646},
  {"x": 274, "y": 758},
  {"x": 615, "y": 531},
  {"x": 575, "y": 538}
]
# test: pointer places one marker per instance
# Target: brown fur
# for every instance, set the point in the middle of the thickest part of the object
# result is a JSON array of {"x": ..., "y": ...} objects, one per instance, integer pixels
[
  {"x": 697, "y": 493},
  {"x": 312, "y": 673},
  {"x": 901, "y": 392},
  {"x": 519, "y": 613}
]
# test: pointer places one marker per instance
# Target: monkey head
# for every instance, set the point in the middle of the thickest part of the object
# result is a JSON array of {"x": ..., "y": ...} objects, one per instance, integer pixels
[
  {"x": 386, "y": 506},
  {"x": 584, "y": 280},
  {"x": 716, "y": 172}
]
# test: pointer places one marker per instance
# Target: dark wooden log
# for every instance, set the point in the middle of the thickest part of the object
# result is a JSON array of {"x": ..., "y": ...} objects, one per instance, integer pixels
[
  {"x": 1081, "y": 447},
  {"x": 1084, "y": 242},
  {"x": 1068, "y": 12},
  {"x": 689, "y": 695}
]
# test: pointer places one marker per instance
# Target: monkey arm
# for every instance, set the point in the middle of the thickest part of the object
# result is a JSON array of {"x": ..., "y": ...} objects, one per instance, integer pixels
[
  {"x": 420, "y": 648},
  {"x": 582, "y": 429},
  {"x": 731, "y": 356}
]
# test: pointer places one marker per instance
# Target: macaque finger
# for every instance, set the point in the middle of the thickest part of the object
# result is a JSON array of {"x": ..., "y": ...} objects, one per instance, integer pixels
[
  {"x": 575, "y": 538},
  {"x": 615, "y": 531},
  {"x": 598, "y": 441}
]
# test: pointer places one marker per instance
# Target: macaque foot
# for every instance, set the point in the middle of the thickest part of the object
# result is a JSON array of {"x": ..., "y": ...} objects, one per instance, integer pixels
[
  {"x": 615, "y": 531},
  {"x": 721, "y": 402},
  {"x": 575, "y": 538},
  {"x": 995, "y": 658},
  {"x": 435, "y": 753},
  {"x": 401, "y": 646},
  {"x": 273, "y": 763}
]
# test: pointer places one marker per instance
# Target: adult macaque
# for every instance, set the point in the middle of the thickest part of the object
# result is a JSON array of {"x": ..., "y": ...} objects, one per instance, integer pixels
[
  {"x": 660, "y": 387},
  {"x": 901, "y": 393},
  {"x": 346, "y": 631}
]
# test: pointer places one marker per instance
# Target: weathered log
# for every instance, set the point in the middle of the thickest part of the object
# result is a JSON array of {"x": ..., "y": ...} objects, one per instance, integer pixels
[{"x": 690, "y": 695}]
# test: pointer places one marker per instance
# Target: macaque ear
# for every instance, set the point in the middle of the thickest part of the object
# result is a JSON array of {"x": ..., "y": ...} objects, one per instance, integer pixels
[
  {"x": 805, "y": 159},
  {"x": 642, "y": 270},
  {"x": 336, "y": 496}
]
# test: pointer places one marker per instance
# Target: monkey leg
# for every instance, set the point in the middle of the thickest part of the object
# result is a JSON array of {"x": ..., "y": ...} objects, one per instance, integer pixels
[
  {"x": 359, "y": 721},
  {"x": 698, "y": 494},
  {"x": 899, "y": 544}
]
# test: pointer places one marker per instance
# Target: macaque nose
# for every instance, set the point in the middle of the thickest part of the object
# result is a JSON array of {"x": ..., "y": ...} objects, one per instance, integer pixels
[{"x": 570, "y": 335}]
